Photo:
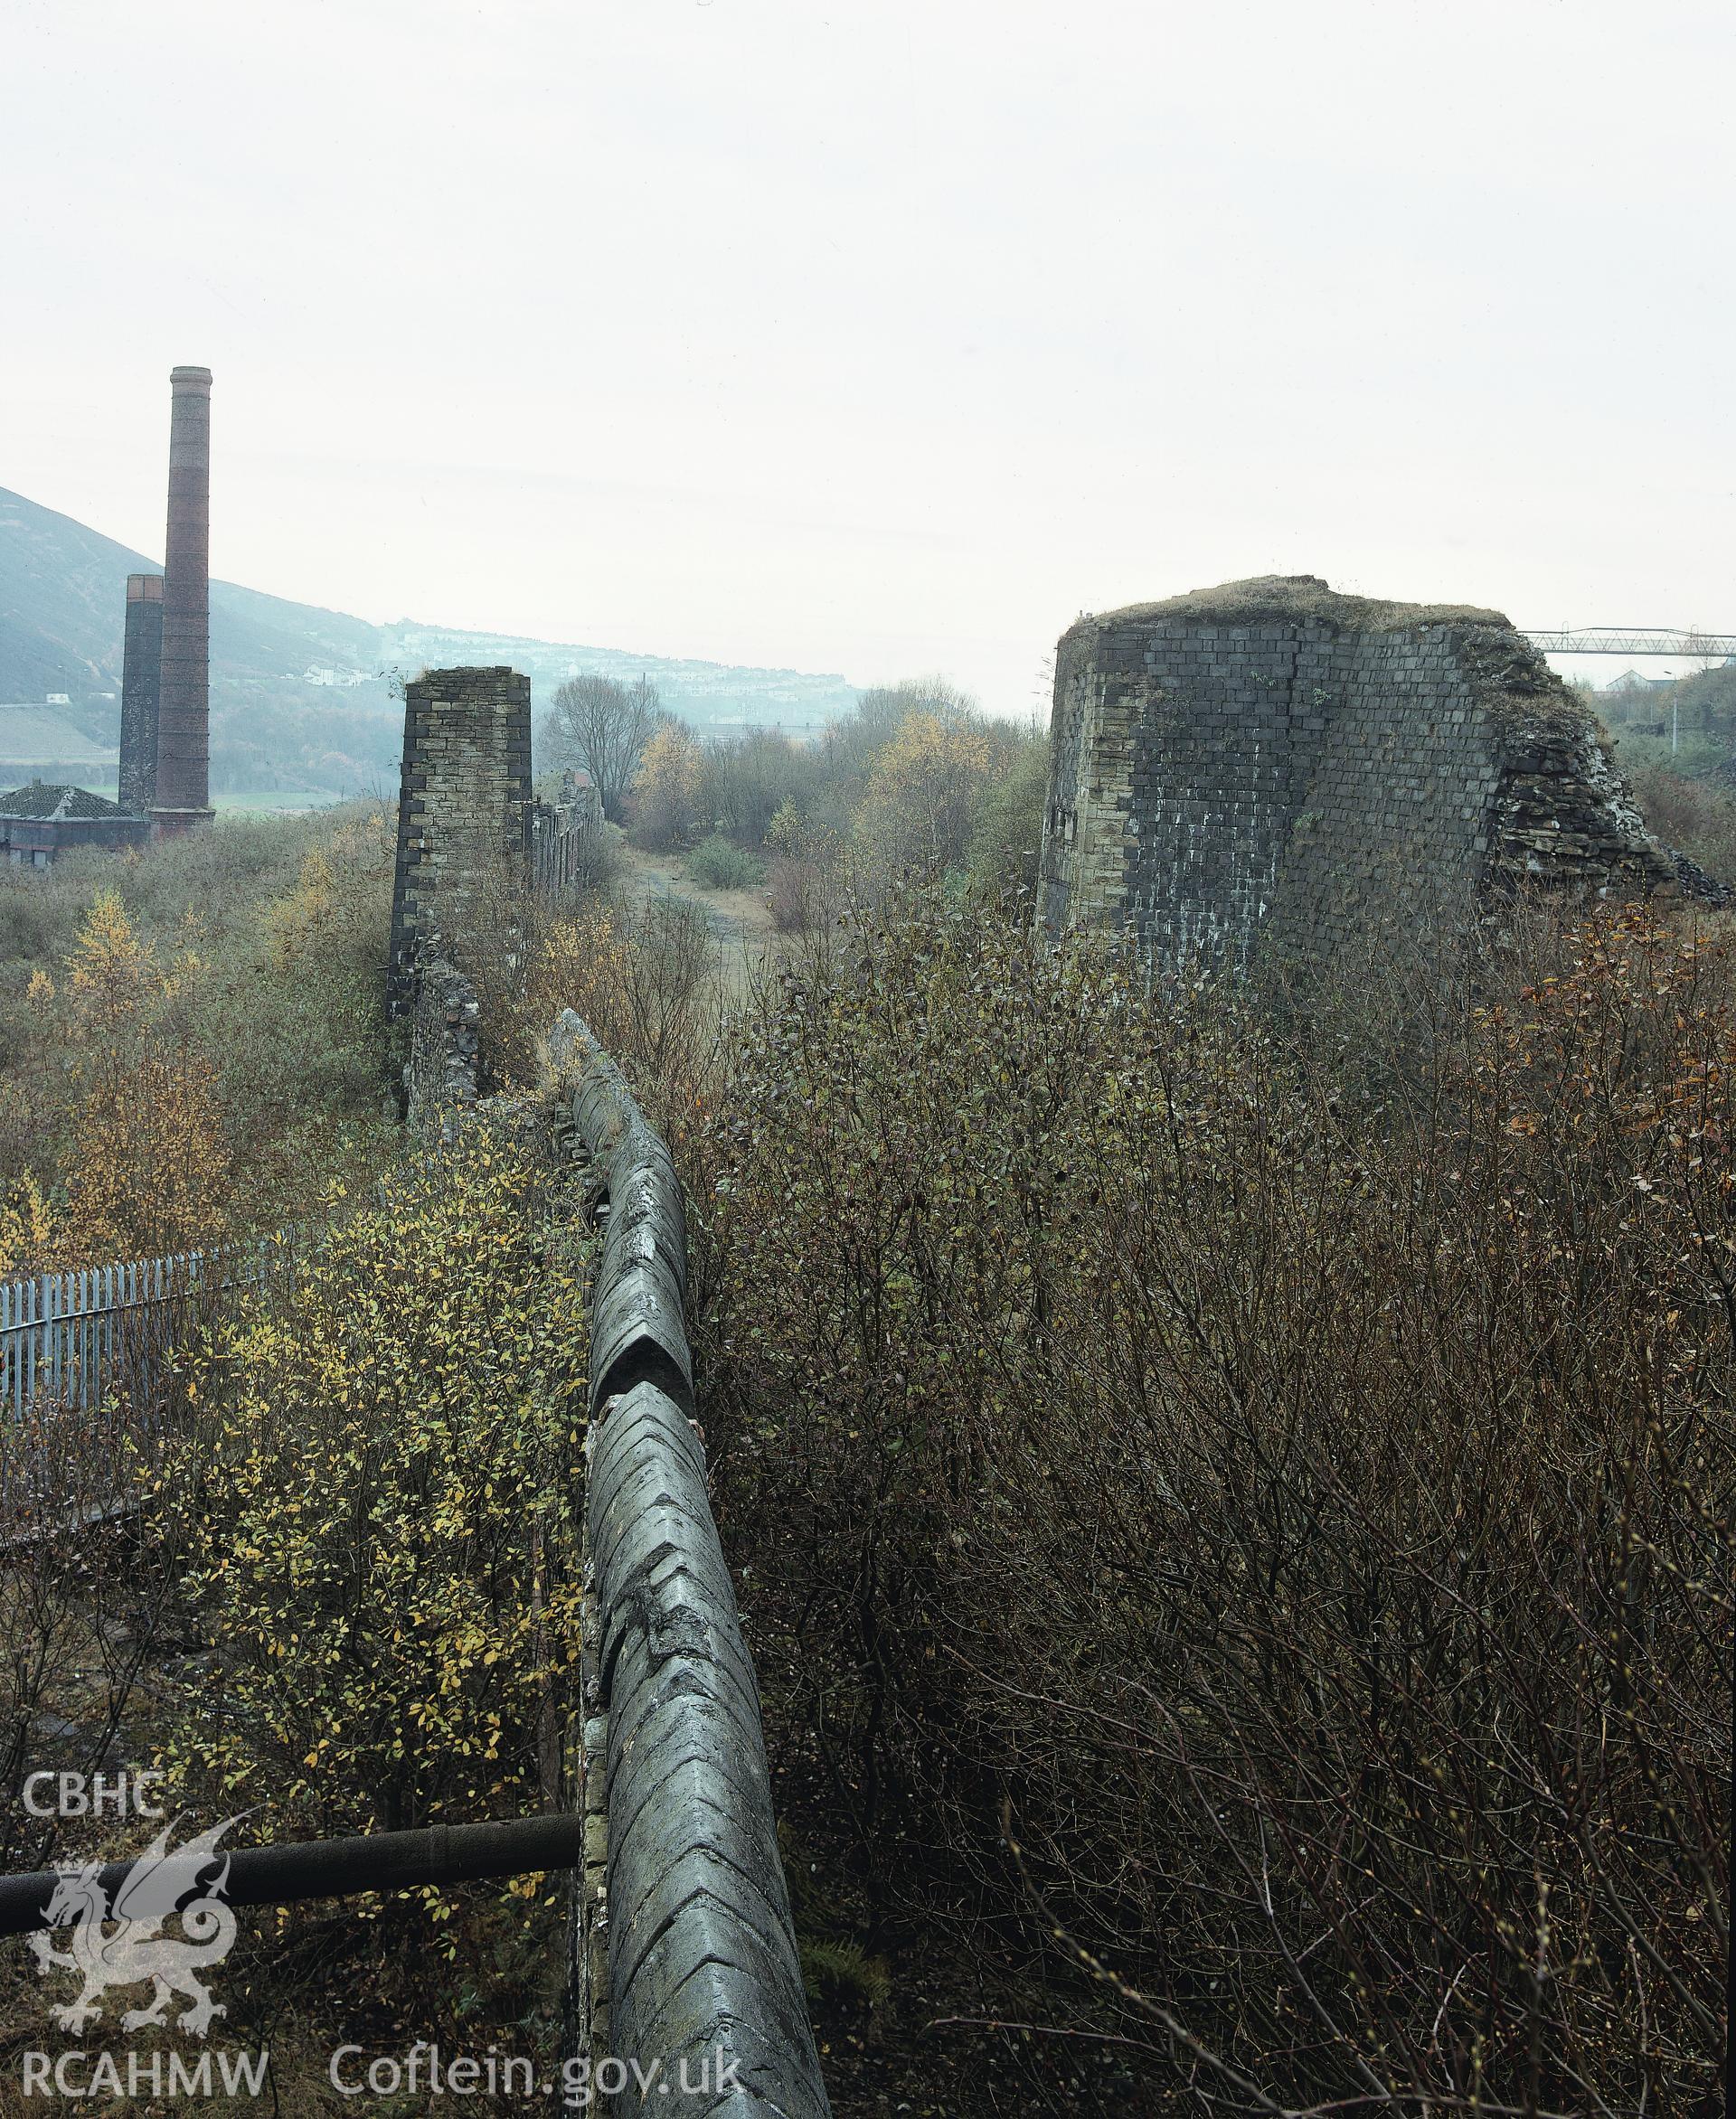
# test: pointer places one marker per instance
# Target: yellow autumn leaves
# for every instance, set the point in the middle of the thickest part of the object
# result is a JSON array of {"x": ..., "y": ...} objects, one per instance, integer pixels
[
  {"x": 667, "y": 789},
  {"x": 149, "y": 1167},
  {"x": 143, "y": 1165},
  {"x": 191, "y": 1069},
  {"x": 378, "y": 1524},
  {"x": 923, "y": 793}
]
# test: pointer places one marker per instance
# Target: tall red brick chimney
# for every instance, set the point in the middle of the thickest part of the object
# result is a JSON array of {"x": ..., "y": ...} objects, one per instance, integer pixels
[{"x": 182, "y": 798}]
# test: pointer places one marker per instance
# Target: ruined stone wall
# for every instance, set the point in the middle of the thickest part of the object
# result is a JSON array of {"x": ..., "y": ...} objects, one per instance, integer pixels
[
  {"x": 464, "y": 808},
  {"x": 443, "y": 1077},
  {"x": 1269, "y": 765},
  {"x": 564, "y": 834}
]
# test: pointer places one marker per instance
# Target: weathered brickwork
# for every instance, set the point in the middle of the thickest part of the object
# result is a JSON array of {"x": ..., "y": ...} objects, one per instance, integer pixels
[
  {"x": 181, "y": 795},
  {"x": 1270, "y": 765},
  {"x": 464, "y": 808},
  {"x": 141, "y": 672}
]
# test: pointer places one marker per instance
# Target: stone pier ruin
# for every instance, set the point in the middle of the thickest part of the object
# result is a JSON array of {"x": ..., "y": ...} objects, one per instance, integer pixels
[
  {"x": 464, "y": 810},
  {"x": 471, "y": 837},
  {"x": 1272, "y": 764}
]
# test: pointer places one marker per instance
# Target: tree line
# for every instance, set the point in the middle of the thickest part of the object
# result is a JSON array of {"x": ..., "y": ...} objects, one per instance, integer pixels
[{"x": 915, "y": 780}]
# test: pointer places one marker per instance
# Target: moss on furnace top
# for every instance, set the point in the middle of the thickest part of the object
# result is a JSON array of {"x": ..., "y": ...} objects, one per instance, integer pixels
[{"x": 1268, "y": 599}]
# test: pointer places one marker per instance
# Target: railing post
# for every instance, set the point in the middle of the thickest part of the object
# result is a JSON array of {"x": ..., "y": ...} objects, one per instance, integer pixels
[{"x": 33, "y": 1338}]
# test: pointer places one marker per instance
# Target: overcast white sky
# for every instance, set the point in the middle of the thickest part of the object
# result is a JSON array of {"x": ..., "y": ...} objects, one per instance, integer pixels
[{"x": 883, "y": 337}]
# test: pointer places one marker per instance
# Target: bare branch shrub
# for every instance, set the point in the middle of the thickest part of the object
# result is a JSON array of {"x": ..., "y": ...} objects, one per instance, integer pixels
[
  {"x": 83, "y": 1608},
  {"x": 1698, "y": 816},
  {"x": 1297, "y": 1484},
  {"x": 603, "y": 725},
  {"x": 645, "y": 977}
]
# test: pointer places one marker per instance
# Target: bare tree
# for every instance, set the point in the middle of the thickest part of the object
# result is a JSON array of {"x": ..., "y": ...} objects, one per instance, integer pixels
[{"x": 603, "y": 725}]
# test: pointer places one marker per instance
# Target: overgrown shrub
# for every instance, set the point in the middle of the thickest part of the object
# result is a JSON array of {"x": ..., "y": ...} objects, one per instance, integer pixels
[
  {"x": 1006, "y": 837},
  {"x": 78, "y": 1617},
  {"x": 924, "y": 789},
  {"x": 1303, "y": 1517},
  {"x": 719, "y": 865},
  {"x": 208, "y": 1012},
  {"x": 807, "y": 884},
  {"x": 147, "y": 1167},
  {"x": 644, "y": 977},
  {"x": 377, "y": 1510},
  {"x": 1696, "y": 816},
  {"x": 668, "y": 787},
  {"x": 748, "y": 779},
  {"x": 793, "y": 889}
]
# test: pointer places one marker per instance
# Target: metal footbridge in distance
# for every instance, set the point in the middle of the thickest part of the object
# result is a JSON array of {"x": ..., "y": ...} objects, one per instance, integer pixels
[{"x": 1632, "y": 640}]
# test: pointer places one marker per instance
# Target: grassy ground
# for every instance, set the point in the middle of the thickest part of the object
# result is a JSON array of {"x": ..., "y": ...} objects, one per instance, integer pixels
[
  {"x": 740, "y": 921},
  {"x": 277, "y": 801},
  {"x": 736, "y": 915}
]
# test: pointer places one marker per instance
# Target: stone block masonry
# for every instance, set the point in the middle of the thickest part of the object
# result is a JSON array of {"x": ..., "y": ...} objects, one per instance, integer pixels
[
  {"x": 1273, "y": 766},
  {"x": 564, "y": 834},
  {"x": 443, "y": 1077},
  {"x": 464, "y": 810}
]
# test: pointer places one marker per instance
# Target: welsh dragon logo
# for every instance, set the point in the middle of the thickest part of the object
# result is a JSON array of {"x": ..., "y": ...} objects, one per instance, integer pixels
[{"x": 134, "y": 1949}]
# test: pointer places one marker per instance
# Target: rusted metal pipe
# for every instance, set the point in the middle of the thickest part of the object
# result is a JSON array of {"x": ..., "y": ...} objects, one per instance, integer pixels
[{"x": 337, "y": 1869}]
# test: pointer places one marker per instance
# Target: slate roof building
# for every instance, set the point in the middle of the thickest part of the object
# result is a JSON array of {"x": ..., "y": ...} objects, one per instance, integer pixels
[{"x": 40, "y": 822}]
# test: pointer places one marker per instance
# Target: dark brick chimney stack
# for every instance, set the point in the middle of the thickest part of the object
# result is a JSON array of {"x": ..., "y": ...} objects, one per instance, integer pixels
[
  {"x": 141, "y": 671},
  {"x": 182, "y": 798}
]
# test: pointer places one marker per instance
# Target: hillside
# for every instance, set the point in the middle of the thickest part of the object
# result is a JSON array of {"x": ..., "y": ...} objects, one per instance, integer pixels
[{"x": 302, "y": 697}]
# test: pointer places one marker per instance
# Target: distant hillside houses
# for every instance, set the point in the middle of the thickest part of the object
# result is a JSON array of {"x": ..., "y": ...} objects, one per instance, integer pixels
[
  {"x": 301, "y": 698},
  {"x": 340, "y": 680}
]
